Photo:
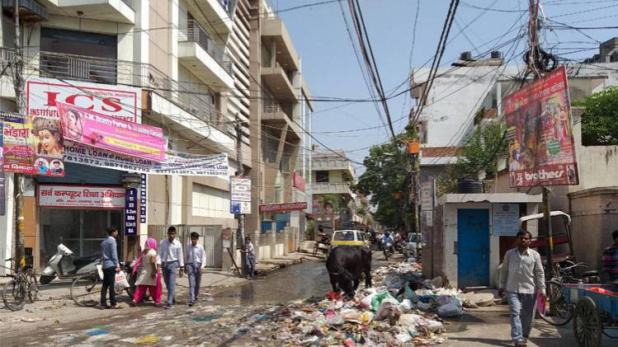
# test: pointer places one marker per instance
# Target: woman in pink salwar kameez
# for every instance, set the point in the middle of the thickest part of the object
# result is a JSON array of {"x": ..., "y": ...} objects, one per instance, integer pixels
[{"x": 148, "y": 274}]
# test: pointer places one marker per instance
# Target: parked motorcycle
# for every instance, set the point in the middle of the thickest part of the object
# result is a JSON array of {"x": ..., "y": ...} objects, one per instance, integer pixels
[{"x": 63, "y": 265}]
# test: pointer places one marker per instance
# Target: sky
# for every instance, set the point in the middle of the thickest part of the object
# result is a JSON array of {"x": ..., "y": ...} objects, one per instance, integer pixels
[{"x": 330, "y": 68}]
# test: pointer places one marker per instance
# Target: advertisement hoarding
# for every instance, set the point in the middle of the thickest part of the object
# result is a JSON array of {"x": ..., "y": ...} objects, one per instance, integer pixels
[
  {"x": 286, "y": 207},
  {"x": 32, "y": 145},
  {"x": 43, "y": 94},
  {"x": 542, "y": 151},
  {"x": 112, "y": 134}
]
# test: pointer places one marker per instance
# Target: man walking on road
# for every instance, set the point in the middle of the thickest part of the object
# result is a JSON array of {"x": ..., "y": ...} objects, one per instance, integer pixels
[
  {"x": 522, "y": 273},
  {"x": 196, "y": 259},
  {"x": 111, "y": 265},
  {"x": 172, "y": 261}
]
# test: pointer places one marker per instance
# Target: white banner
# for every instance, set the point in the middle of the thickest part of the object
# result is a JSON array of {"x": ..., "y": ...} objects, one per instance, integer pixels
[
  {"x": 174, "y": 164},
  {"x": 240, "y": 189},
  {"x": 111, "y": 100},
  {"x": 64, "y": 196}
]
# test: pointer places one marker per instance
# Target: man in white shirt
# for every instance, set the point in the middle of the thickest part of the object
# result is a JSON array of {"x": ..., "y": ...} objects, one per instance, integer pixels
[
  {"x": 249, "y": 253},
  {"x": 171, "y": 261},
  {"x": 195, "y": 260},
  {"x": 522, "y": 273}
]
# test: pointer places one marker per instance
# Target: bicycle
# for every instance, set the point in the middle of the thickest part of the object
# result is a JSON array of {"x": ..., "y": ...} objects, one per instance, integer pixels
[
  {"x": 558, "y": 311},
  {"x": 23, "y": 284}
]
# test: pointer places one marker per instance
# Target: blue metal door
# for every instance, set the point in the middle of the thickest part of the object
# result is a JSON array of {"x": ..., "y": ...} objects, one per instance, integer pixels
[{"x": 472, "y": 247}]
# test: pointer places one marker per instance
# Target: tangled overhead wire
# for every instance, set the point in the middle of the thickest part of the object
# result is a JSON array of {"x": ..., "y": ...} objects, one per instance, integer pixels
[{"x": 541, "y": 60}]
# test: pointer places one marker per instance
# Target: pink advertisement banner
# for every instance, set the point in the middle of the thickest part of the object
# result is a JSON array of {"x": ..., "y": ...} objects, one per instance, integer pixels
[{"x": 113, "y": 134}]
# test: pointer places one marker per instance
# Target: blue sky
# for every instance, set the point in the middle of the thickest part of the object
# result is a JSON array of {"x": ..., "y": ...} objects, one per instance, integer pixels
[{"x": 331, "y": 70}]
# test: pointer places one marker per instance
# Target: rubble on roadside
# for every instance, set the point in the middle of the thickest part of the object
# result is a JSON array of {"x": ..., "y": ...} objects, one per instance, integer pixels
[{"x": 402, "y": 309}]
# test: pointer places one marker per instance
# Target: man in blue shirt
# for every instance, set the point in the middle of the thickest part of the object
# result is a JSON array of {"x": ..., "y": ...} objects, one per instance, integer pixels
[{"x": 109, "y": 252}]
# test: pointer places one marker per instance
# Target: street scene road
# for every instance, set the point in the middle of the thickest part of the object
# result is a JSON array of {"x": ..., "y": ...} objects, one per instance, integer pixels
[
  {"x": 308, "y": 173},
  {"x": 227, "y": 316}
]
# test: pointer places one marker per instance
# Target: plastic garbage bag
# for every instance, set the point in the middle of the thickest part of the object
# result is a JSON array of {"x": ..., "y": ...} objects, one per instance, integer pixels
[
  {"x": 378, "y": 298},
  {"x": 406, "y": 305},
  {"x": 423, "y": 306},
  {"x": 452, "y": 309},
  {"x": 403, "y": 337},
  {"x": 388, "y": 311},
  {"x": 121, "y": 280}
]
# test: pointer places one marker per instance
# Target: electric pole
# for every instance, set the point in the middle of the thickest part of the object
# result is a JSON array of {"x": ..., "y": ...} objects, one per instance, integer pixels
[
  {"x": 413, "y": 150},
  {"x": 533, "y": 62},
  {"x": 241, "y": 217},
  {"x": 18, "y": 84}
]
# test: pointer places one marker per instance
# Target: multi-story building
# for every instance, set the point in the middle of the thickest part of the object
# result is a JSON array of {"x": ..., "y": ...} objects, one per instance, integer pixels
[
  {"x": 469, "y": 95},
  {"x": 279, "y": 126},
  {"x": 188, "y": 67},
  {"x": 333, "y": 199}
]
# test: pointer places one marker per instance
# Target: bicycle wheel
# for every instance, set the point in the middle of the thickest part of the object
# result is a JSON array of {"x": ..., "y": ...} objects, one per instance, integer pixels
[
  {"x": 86, "y": 291},
  {"x": 33, "y": 287},
  {"x": 14, "y": 294},
  {"x": 557, "y": 311}
]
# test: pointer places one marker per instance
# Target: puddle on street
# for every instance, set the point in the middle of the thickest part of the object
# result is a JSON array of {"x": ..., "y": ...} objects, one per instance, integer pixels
[{"x": 291, "y": 283}]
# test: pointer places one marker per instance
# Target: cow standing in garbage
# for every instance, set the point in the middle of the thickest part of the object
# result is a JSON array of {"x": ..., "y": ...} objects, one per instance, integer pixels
[{"x": 345, "y": 264}]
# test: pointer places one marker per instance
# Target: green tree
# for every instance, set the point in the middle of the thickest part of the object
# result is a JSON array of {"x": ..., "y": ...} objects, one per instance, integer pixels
[
  {"x": 385, "y": 177},
  {"x": 599, "y": 125}
]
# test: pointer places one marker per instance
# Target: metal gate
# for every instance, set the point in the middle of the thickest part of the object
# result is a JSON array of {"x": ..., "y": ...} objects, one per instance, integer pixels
[{"x": 213, "y": 245}]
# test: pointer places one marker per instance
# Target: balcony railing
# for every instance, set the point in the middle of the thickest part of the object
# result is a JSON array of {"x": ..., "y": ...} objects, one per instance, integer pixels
[
  {"x": 186, "y": 96},
  {"x": 331, "y": 188},
  {"x": 196, "y": 33}
]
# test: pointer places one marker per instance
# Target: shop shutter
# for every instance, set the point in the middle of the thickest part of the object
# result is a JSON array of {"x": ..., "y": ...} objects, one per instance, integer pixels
[{"x": 83, "y": 174}]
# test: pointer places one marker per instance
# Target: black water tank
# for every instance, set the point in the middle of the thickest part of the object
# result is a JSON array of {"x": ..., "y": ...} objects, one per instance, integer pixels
[
  {"x": 469, "y": 185},
  {"x": 465, "y": 56},
  {"x": 496, "y": 55}
]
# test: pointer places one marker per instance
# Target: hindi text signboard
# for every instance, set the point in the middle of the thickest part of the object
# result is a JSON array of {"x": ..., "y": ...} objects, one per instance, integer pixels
[{"x": 66, "y": 196}]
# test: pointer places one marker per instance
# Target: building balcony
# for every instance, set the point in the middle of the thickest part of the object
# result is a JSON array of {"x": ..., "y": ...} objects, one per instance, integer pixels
[
  {"x": 120, "y": 11},
  {"x": 278, "y": 82},
  {"x": 275, "y": 33},
  {"x": 274, "y": 116},
  {"x": 208, "y": 62},
  {"x": 331, "y": 188},
  {"x": 29, "y": 10},
  {"x": 215, "y": 12},
  {"x": 331, "y": 164},
  {"x": 111, "y": 71}
]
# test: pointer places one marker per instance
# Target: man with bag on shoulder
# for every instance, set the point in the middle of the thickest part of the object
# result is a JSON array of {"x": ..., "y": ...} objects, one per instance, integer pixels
[
  {"x": 522, "y": 273},
  {"x": 111, "y": 266}
]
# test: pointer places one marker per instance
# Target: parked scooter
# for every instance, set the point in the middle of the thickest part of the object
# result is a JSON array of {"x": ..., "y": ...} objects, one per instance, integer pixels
[{"x": 63, "y": 265}]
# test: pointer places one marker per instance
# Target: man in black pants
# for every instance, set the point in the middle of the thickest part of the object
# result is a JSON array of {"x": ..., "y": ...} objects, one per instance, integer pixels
[{"x": 110, "y": 267}]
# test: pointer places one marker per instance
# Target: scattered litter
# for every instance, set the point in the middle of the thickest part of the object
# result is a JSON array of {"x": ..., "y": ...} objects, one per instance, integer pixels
[
  {"x": 206, "y": 318},
  {"x": 96, "y": 332},
  {"x": 30, "y": 320},
  {"x": 147, "y": 340}
]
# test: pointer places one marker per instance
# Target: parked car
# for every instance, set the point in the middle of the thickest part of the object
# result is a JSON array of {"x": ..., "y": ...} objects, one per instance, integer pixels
[{"x": 348, "y": 238}]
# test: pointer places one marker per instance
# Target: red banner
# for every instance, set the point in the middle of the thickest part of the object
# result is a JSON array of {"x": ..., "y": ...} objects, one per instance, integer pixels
[
  {"x": 291, "y": 206},
  {"x": 543, "y": 151},
  {"x": 298, "y": 181}
]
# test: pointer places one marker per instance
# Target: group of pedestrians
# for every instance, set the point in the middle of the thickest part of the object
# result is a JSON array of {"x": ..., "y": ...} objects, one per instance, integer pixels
[{"x": 153, "y": 266}]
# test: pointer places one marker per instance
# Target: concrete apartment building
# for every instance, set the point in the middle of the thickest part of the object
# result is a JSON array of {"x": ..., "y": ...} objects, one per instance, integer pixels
[
  {"x": 189, "y": 66},
  {"x": 280, "y": 122},
  {"x": 468, "y": 95},
  {"x": 334, "y": 202}
]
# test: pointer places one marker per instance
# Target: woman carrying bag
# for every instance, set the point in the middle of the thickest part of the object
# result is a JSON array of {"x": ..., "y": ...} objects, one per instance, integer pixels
[{"x": 148, "y": 274}]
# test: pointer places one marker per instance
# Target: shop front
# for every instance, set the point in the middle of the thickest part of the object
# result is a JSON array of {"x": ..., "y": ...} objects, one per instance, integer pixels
[{"x": 77, "y": 209}]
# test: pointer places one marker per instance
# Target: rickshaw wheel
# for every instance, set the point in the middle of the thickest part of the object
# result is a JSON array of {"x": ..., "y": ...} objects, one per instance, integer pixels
[{"x": 587, "y": 324}]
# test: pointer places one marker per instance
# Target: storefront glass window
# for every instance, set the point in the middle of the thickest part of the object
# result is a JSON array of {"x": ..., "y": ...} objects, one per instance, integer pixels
[{"x": 80, "y": 230}]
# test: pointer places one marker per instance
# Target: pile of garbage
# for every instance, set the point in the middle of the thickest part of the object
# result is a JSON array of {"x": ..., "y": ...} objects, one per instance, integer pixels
[{"x": 402, "y": 308}]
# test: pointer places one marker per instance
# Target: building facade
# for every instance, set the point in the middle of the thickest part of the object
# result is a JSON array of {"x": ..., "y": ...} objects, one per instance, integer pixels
[
  {"x": 334, "y": 202},
  {"x": 183, "y": 66}
]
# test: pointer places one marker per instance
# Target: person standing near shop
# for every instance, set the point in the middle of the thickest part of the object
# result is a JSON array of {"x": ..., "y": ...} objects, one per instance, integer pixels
[
  {"x": 249, "y": 253},
  {"x": 111, "y": 266},
  {"x": 195, "y": 260},
  {"x": 171, "y": 261},
  {"x": 522, "y": 273}
]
